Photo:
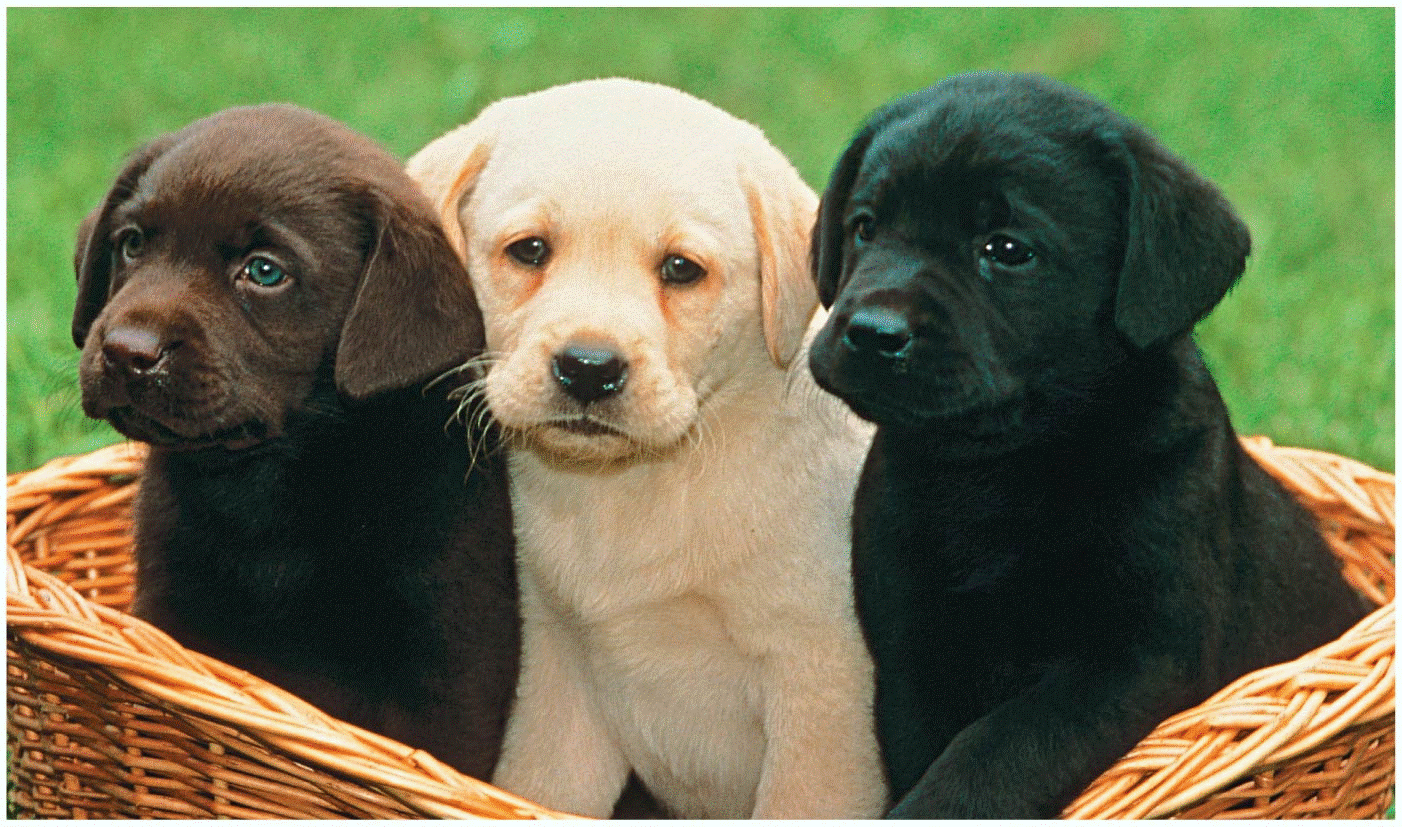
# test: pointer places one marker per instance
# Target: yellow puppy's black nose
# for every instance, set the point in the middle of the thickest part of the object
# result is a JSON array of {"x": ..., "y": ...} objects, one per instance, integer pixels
[{"x": 589, "y": 374}]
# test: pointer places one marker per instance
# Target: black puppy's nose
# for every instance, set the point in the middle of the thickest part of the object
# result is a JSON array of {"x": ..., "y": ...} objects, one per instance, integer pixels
[
  {"x": 589, "y": 374},
  {"x": 877, "y": 331},
  {"x": 134, "y": 350}
]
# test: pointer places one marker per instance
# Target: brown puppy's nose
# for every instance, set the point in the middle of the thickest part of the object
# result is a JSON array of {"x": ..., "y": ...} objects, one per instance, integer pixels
[
  {"x": 134, "y": 350},
  {"x": 589, "y": 374}
]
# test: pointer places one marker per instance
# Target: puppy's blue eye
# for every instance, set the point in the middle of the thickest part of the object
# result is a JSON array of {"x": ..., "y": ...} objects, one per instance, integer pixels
[
  {"x": 1006, "y": 251},
  {"x": 531, "y": 252},
  {"x": 681, "y": 270},
  {"x": 264, "y": 272}
]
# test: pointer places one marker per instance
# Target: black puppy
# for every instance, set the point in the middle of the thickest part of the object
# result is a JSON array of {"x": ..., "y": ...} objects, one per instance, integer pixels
[
  {"x": 261, "y": 296},
  {"x": 1058, "y": 541}
]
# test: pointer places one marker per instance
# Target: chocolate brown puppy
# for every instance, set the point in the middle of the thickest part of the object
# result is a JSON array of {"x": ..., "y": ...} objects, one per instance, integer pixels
[
  {"x": 261, "y": 298},
  {"x": 1058, "y": 540}
]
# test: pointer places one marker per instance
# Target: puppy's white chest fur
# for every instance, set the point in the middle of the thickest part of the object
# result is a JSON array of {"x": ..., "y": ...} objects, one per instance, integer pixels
[{"x": 693, "y": 613}]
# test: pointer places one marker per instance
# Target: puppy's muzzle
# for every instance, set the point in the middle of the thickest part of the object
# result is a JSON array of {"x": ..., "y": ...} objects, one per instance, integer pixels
[
  {"x": 589, "y": 373},
  {"x": 879, "y": 333}
]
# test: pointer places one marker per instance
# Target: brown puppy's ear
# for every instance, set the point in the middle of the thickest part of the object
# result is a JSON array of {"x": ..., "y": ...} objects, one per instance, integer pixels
[
  {"x": 92, "y": 252},
  {"x": 830, "y": 233},
  {"x": 414, "y": 315},
  {"x": 92, "y": 267},
  {"x": 782, "y": 209},
  {"x": 1185, "y": 246}
]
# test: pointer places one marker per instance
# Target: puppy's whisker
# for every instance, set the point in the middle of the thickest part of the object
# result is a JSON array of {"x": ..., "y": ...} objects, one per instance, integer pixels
[
  {"x": 473, "y": 414},
  {"x": 478, "y": 432},
  {"x": 469, "y": 393},
  {"x": 472, "y": 411},
  {"x": 483, "y": 418},
  {"x": 480, "y": 364}
]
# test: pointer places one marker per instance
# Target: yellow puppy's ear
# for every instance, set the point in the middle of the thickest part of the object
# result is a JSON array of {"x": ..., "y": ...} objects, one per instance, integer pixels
[
  {"x": 447, "y": 170},
  {"x": 782, "y": 209}
]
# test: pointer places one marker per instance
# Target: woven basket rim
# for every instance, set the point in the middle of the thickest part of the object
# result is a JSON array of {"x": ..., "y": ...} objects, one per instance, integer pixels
[{"x": 49, "y": 615}]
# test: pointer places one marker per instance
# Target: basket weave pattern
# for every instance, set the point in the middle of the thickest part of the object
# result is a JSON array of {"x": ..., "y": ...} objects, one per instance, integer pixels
[{"x": 110, "y": 718}]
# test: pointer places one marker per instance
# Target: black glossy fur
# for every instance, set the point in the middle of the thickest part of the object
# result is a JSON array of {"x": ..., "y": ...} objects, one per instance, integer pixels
[
  {"x": 305, "y": 512},
  {"x": 1058, "y": 541}
]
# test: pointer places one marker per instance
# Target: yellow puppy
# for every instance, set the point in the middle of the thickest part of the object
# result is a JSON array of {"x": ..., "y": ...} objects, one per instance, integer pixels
[{"x": 682, "y": 490}]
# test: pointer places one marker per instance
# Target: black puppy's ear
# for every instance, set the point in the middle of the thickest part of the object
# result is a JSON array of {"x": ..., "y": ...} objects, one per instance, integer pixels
[
  {"x": 415, "y": 315},
  {"x": 1185, "y": 246},
  {"x": 829, "y": 232},
  {"x": 92, "y": 252}
]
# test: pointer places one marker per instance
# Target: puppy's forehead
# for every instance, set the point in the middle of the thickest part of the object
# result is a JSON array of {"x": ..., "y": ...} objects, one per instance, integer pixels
[
  {"x": 620, "y": 157},
  {"x": 977, "y": 137},
  {"x": 278, "y": 160},
  {"x": 616, "y": 106},
  {"x": 610, "y": 178},
  {"x": 927, "y": 145},
  {"x": 620, "y": 128}
]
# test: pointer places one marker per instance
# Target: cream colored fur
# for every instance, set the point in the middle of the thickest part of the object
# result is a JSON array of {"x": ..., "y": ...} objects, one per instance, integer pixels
[{"x": 685, "y": 576}]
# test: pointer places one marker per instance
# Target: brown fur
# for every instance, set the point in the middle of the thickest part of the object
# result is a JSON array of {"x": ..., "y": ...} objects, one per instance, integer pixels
[{"x": 304, "y": 513}]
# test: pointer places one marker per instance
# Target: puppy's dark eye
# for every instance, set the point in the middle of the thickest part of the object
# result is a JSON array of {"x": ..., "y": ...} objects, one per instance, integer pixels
[
  {"x": 264, "y": 272},
  {"x": 531, "y": 252},
  {"x": 1006, "y": 251},
  {"x": 681, "y": 270},
  {"x": 863, "y": 227},
  {"x": 132, "y": 244}
]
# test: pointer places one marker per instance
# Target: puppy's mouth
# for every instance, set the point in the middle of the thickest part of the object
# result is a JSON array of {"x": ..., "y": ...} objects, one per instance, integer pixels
[
  {"x": 586, "y": 426},
  {"x": 139, "y": 426},
  {"x": 585, "y": 440},
  {"x": 971, "y": 417},
  {"x": 896, "y": 397}
]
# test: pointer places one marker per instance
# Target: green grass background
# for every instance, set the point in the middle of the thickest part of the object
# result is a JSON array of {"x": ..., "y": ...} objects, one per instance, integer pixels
[{"x": 1291, "y": 111}]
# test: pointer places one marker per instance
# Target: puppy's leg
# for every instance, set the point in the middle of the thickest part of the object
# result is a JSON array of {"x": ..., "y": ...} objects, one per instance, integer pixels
[
  {"x": 821, "y": 758},
  {"x": 557, "y": 751},
  {"x": 1040, "y": 747}
]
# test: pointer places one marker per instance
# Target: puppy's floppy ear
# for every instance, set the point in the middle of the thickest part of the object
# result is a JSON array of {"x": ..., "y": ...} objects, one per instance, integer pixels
[
  {"x": 829, "y": 232},
  {"x": 92, "y": 251},
  {"x": 1184, "y": 247},
  {"x": 447, "y": 170},
  {"x": 781, "y": 210},
  {"x": 414, "y": 315},
  {"x": 93, "y": 270}
]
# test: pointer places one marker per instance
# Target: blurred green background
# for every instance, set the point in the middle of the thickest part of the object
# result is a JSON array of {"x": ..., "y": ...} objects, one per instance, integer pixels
[{"x": 1291, "y": 111}]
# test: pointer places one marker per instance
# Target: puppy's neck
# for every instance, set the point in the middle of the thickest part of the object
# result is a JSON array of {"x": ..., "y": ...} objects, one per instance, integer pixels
[{"x": 382, "y": 432}]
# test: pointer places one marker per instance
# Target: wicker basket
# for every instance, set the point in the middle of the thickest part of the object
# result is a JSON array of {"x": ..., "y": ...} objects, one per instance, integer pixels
[{"x": 110, "y": 718}]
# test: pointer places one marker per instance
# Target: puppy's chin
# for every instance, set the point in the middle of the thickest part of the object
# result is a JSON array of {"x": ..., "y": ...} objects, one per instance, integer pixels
[
  {"x": 133, "y": 424},
  {"x": 951, "y": 424},
  {"x": 944, "y": 413},
  {"x": 608, "y": 432},
  {"x": 911, "y": 401},
  {"x": 150, "y": 412},
  {"x": 584, "y": 441},
  {"x": 971, "y": 435}
]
